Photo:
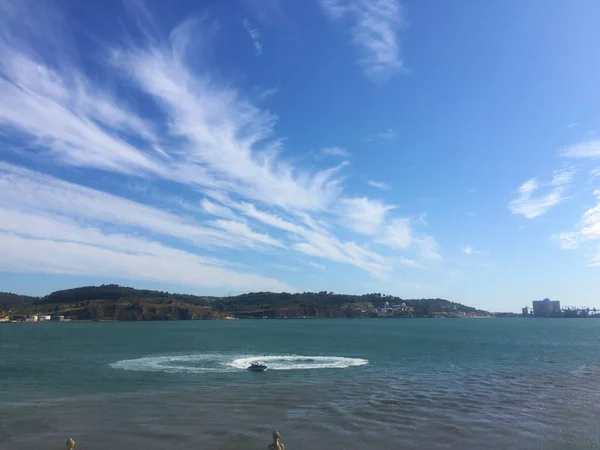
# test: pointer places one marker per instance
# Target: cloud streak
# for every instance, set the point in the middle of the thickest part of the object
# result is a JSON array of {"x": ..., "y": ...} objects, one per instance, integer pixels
[
  {"x": 588, "y": 149},
  {"x": 335, "y": 151},
  {"x": 254, "y": 36},
  {"x": 379, "y": 185},
  {"x": 586, "y": 230},
  {"x": 530, "y": 205},
  {"x": 374, "y": 26},
  {"x": 196, "y": 136}
]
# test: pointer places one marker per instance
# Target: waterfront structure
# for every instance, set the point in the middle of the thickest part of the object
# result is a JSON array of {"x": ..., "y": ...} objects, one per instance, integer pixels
[
  {"x": 525, "y": 311},
  {"x": 546, "y": 308}
]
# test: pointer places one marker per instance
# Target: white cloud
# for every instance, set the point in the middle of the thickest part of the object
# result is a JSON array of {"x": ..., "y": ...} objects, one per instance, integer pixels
[
  {"x": 374, "y": 27},
  {"x": 24, "y": 190},
  {"x": 388, "y": 135},
  {"x": 364, "y": 215},
  {"x": 379, "y": 185},
  {"x": 243, "y": 231},
  {"x": 320, "y": 243},
  {"x": 588, "y": 229},
  {"x": 216, "y": 209},
  {"x": 195, "y": 134},
  {"x": 52, "y": 226},
  {"x": 46, "y": 242},
  {"x": 59, "y": 113},
  {"x": 530, "y": 205},
  {"x": 255, "y": 36},
  {"x": 264, "y": 93},
  {"x": 223, "y": 140},
  {"x": 335, "y": 151},
  {"x": 569, "y": 240},
  {"x": 469, "y": 250},
  {"x": 596, "y": 259},
  {"x": 158, "y": 263},
  {"x": 398, "y": 234},
  {"x": 588, "y": 149},
  {"x": 228, "y": 137},
  {"x": 428, "y": 248},
  {"x": 411, "y": 263},
  {"x": 318, "y": 266}
]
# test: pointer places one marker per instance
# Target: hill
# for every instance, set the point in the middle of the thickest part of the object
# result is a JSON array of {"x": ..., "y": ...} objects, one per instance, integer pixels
[
  {"x": 8, "y": 301},
  {"x": 114, "y": 302}
]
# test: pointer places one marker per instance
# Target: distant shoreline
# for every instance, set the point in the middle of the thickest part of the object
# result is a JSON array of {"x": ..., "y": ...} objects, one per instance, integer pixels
[
  {"x": 118, "y": 303},
  {"x": 253, "y": 319}
]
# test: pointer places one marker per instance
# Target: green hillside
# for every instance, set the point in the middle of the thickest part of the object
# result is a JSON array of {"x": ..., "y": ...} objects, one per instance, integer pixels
[{"x": 114, "y": 302}]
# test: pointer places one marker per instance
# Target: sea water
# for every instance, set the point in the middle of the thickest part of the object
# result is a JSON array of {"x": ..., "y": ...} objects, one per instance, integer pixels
[{"x": 331, "y": 384}]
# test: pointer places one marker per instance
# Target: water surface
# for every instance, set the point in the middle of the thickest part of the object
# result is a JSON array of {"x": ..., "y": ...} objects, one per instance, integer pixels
[{"x": 353, "y": 384}]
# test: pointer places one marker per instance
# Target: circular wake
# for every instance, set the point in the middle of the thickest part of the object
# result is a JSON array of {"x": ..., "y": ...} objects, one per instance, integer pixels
[
  {"x": 207, "y": 363},
  {"x": 296, "y": 362}
]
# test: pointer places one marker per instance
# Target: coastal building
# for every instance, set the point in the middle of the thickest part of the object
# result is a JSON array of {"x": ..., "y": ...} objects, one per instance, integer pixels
[
  {"x": 525, "y": 311},
  {"x": 58, "y": 318},
  {"x": 44, "y": 317},
  {"x": 402, "y": 307},
  {"x": 546, "y": 308}
]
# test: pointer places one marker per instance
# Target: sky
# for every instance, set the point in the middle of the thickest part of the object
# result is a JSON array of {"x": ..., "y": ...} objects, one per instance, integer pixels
[{"x": 408, "y": 147}]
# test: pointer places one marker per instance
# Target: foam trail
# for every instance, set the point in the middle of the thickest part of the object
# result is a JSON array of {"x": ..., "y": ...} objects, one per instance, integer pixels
[
  {"x": 297, "y": 362},
  {"x": 206, "y": 363},
  {"x": 169, "y": 364}
]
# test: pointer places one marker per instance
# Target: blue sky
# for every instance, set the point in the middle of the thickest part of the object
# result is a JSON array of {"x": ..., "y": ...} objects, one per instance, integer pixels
[{"x": 405, "y": 147}]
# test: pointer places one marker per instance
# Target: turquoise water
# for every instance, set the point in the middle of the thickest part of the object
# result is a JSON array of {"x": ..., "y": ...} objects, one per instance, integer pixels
[{"x": 354, "y": 384}]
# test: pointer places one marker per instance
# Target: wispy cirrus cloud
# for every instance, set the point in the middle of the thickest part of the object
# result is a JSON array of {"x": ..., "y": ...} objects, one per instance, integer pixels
[
  {"x": 365, "y": 215},
  {"x": 254, "y": 36},
  {"x": 387, "y": 135},
  {"x": 397, "y": 234},
  {"x": 226, "y": 142},
  {"x": 595, "y": 262},
  {"x": 586, "y": 230},
  {"x": 197, "y": 136},
  {"x": 379, "y": 185},
  {"x": 429, "y": 249},
  {"x": 335, "y": 151},
  {"x": 374, "y": 27},
  {"x": 58, "y": 112},
  {"x": 469, "y": 250},
  {"x": 53, "y": 226},
  {"x": 315, "y": 241},
  {"x": 25, "y": 190},
  {"x": 587, "y": 149},
  {"x": 531, "y": 205}
]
